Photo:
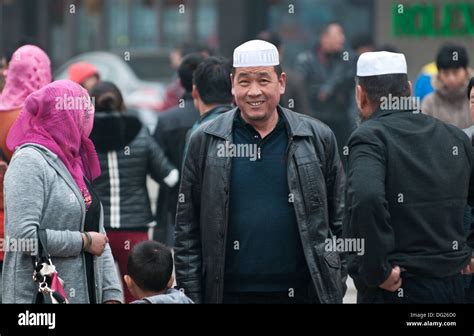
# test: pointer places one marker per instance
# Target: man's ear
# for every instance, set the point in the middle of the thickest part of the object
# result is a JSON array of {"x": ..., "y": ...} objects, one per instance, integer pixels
[
  {"x": 128, "y": 281},
  {"x": 195, "y": 93},
  {"x": 131, "y": 285},
  {"x": 170, "y": 282},
  {"x": 232, "y": 82},
  {"x": 361, "y": 99},
  {"x": 282, "y": 81}
]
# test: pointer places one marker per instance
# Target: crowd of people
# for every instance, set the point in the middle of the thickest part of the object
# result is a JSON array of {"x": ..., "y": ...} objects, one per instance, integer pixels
[{"x": 275, "y": 184}]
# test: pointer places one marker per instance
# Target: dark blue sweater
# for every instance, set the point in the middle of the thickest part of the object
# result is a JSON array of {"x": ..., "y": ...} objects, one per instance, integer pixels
[{"x": 263, "y": 251}]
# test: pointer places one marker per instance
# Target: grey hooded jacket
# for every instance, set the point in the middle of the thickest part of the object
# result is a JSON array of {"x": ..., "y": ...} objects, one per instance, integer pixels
[
  {"x": 40, "y": 192},
  {"x": 171, "y": 295}
]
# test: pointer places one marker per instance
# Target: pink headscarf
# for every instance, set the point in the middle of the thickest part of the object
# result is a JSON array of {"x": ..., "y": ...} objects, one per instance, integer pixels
[
  {"x": 28, "y": 71},
  {"x": 60, "y": 117}
]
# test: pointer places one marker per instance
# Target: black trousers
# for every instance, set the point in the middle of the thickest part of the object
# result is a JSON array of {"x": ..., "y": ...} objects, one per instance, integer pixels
[{"x": 419, "y": 289}]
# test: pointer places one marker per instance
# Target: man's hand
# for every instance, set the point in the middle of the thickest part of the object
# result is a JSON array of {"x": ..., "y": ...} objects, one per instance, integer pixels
[
  {"x": 393, "y": 282},
  {"x": 469, "y": 269}
]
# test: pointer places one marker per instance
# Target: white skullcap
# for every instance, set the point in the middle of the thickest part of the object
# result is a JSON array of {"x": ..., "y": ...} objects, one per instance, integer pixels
[
  {"x": 381, "y": 63},
  {"x": 256, "y": 53}
]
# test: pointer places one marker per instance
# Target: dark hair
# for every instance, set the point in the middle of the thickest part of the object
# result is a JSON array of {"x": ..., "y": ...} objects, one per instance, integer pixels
[
  {"x": 271, "y": 37},
  {"x": 362, "y": 40},
  {"x": 191, "y": 47},
  {"x": 212, "y": 80},
  {"x": 377, "y": 87},
  {"x": 187, "y": 68},
  {"x": 446, "y": 60},
  {"x": 325, "y": 27},
  {"x": 107, "y": 96},
  {"x": 150, "y": 265},
  {"x": 469, "y": 87},
  {"x": 278, "y": 69}
]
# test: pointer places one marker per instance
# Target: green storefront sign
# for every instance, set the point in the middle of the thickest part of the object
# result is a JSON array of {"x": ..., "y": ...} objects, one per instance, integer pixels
[{"x": 433, "y": 20}]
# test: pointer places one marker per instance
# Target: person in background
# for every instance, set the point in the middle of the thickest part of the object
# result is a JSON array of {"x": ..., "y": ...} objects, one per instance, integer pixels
[
  {"x": 3, "y": 67},
  {"x": 29, "y": 70},
  {"x": 170, "y": 133},
  {"x": 150, "y": 275},
  {"x": 295, "y": 97},
  {"x": 448, "y": 102},
  {"x": 175, "y": 90},
  {"x": 423, "y": 83},
  {"x": 404, "y": 199},
  {"x": 212, "y": 90},
  {"x": 329, "y": 79},
  {"x": 469, "y": 211},
  {"x": 84, "y": 74},
  {"x": 127, "y": 154},
  {"x": 48, "y": 186}
]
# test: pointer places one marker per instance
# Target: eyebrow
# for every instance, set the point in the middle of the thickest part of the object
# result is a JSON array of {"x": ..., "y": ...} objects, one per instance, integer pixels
[{"x": 260, "y": 74}]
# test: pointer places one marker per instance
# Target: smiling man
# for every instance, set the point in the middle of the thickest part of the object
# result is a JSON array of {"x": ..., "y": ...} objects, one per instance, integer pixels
[{"x": 254, "y": 231}]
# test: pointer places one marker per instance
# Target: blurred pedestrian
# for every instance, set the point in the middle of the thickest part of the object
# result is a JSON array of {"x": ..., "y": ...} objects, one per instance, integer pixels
[
  {"x": 84, "y": 74},
  {"x": 127, "y": 154},
  {"x": 423, "y": 83},
  {"x": 48, "y": 187},
  {"x": 29, "y": 70},
  {"x": 448, "y": 102},
  {"x": 170, "y": 133},
  {"x": 175, "y": 90},
  {"x": 328, "y": 72}
]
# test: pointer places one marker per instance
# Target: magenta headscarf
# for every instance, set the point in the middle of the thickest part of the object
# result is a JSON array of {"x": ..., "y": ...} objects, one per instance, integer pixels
[
  {"x": 28, "y": 71},
  {"x": 60, "y": 117}
]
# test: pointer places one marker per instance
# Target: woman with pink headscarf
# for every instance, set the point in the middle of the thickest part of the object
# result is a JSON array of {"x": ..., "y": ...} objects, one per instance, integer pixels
[
  {"x": 29, "y": 70},
  {"x": 48, "y": 187}
]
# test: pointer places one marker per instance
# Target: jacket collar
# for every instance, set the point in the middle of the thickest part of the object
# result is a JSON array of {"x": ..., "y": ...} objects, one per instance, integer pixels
[
  {"x": 215, "y": 111},
  {"x": 223, "y": 125},
  {"x": 380, "y": 113}
]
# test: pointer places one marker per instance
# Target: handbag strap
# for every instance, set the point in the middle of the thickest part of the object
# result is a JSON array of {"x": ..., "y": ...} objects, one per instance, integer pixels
[
  {"x": 42, "y": 244},
  {"x": 42, "y": 254}
]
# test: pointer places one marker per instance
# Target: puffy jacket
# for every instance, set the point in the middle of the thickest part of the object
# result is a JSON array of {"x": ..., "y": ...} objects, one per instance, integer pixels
[
  {"x": 315, "y": 178},
  {"x": 127, "y": 153}
]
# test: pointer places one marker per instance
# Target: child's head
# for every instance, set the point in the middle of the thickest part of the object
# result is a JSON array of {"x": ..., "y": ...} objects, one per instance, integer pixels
[{"x": 150, "y": 268}]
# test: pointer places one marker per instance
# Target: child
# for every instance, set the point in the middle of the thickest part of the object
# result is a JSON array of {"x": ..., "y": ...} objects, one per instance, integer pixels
[{"x": 149, "y": 279}]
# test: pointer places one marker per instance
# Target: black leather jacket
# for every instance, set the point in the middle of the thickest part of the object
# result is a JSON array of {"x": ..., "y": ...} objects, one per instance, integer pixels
[{"x": 315, "y": 178}]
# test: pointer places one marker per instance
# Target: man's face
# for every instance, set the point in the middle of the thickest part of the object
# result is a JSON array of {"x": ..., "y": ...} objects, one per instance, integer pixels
[
  {"x": 257, "y": 91},
  {"x": 453, "y": 79}
]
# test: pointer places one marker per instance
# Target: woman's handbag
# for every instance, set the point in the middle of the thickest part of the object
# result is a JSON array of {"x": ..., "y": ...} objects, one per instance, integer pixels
[{"x": 45, "y": 276}]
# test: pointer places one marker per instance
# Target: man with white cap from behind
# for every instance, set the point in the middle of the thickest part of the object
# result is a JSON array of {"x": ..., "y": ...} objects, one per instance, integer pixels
[
  {"x": 409, "y": 177},
  {"x": 261, "y": 192}
]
